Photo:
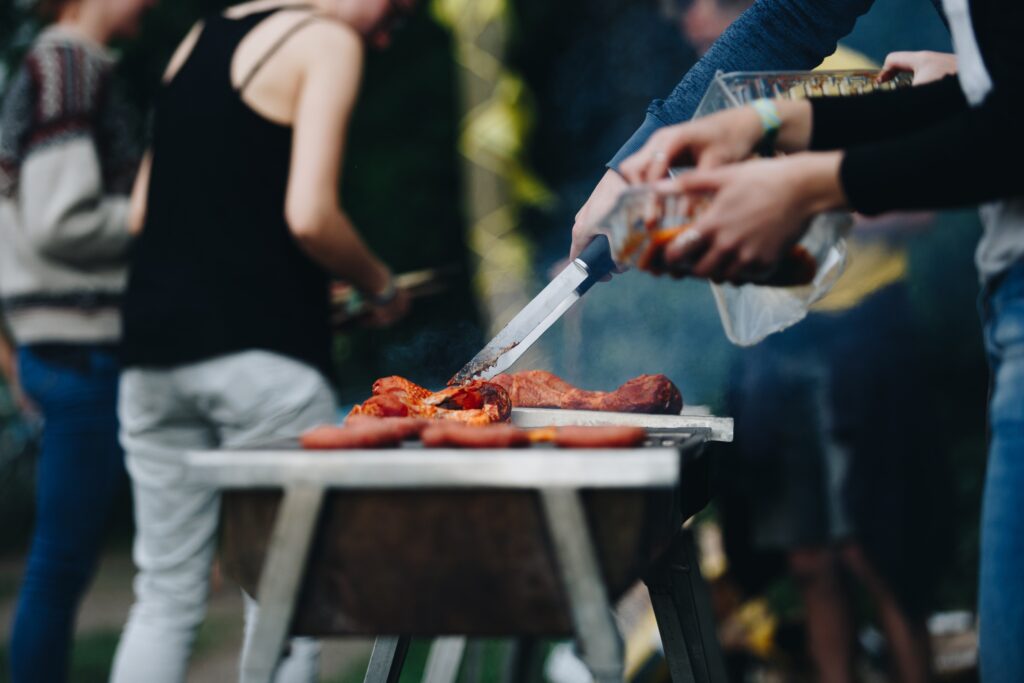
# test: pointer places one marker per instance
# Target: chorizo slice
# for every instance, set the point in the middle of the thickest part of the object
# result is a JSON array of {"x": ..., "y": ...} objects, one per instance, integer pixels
[
  {"x": 456, "y": 435},
  {"x": 600, "y": 437},
  {"x": 405, "y": 428},
  {"x": 331, "y": 437}
]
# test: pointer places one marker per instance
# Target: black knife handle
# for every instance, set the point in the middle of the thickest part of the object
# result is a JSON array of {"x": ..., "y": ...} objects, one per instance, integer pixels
[{"x": 597, "y": 258}]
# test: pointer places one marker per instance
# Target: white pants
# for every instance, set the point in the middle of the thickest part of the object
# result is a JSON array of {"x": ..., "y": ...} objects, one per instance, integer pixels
[{"x": 234, "y": 401}]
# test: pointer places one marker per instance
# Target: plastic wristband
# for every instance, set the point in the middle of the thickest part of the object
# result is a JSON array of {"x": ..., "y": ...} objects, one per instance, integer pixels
[
  {"x": 771, "y": 122},
  {"x": 385, "y": 297}
]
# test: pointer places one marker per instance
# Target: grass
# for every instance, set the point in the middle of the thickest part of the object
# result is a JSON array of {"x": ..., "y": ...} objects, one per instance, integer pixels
[
  {"x": 93, "y": 652},
  {"x": 415, "y": 663}
]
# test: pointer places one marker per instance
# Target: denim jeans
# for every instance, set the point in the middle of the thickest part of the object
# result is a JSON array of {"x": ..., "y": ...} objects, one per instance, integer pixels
[
  {"x": 80, "y": 470},
  {"x": 1001, "y": 591}
]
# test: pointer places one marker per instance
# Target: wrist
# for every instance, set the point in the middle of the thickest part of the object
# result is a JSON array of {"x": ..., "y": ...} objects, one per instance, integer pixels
[
  {"x": 770, "y": 121},
  {"x": 385, "y": 296},
  {"x": 795, "y": 125},
  {"x": 382, "y": 293},
  {"x": 817, "y": 179}
]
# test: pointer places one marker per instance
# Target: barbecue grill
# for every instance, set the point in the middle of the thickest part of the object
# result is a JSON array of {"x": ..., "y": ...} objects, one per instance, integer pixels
[{"x": 498, "y": 543}]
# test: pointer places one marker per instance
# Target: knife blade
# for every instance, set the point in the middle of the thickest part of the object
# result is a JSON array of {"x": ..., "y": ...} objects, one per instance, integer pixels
[{"x": 541, "y": 313}]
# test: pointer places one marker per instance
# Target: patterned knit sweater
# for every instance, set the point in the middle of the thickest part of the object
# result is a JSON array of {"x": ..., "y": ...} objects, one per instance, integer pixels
[{"x": 69, "y": 150}]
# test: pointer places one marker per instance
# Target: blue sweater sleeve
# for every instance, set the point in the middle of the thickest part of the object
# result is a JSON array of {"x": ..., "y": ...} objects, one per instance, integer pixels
[{"x": 771, "y": 35}]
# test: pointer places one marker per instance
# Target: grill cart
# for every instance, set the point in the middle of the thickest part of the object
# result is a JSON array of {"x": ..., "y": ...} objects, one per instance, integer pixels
[{"x": 452, "y": 544}]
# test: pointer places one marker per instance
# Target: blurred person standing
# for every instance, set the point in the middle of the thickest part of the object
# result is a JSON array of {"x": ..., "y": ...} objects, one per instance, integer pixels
[
  {"x": 68, "y": 155},
  {"x": 227, "y": 334}
]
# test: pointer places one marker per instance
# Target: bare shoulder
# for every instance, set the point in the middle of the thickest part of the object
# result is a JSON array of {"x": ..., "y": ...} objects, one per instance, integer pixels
[{"x": 328, "y": 40}]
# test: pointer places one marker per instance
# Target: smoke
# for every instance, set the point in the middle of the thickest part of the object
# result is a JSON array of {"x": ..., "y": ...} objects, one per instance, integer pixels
[
  {"x": 638, "y": 324},
  {"x": 435, "y": 353}
]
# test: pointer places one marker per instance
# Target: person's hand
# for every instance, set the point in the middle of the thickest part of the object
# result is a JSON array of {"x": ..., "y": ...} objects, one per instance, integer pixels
[
  {"x": 391, "y": 312},
  {"x": 758, "y": 209},
  {"x": 723, "y": 138},
  {"x": 926, "y": 66},
  {"x": 9, "y": 370},
  {"x": 600, "y": 203}
]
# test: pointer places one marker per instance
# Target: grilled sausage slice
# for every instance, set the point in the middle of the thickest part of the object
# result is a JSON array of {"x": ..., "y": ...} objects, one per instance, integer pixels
[
  {"x": 600, "y": 437},
  {"x": 455, "y": 435},
  {"x": 330, "y": 437}
]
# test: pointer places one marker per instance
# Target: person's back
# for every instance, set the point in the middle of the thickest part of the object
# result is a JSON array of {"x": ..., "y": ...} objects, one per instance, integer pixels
[
  {"x": 226, "y": 313},
  {"x": 216, "y": 269}
]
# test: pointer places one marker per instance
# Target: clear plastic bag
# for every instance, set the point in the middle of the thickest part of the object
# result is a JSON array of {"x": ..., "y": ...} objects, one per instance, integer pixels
[
  {"x": 643, "y": 222},
  {"x": 752, "y": 312}
]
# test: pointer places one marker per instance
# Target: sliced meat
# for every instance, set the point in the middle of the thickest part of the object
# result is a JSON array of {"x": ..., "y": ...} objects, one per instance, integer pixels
[
  {"x": 455, "y": 435},
  {"x": 405, "y": 428},
  {"x": 534, "y": 388},
  {"x": 331, "y": 437},
  {"x": 600, "y": 437},
  {"x": 475, "y": 402},
  {"x": 653, "y": 394},
  {"x": 399, "y": 385},
  {"x": 384, "y": 405}
]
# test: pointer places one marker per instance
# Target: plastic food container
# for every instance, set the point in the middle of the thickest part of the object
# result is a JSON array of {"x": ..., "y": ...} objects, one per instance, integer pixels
[
  {"x": 742, "y": 87},
  {"x": 643, "y": 223}
]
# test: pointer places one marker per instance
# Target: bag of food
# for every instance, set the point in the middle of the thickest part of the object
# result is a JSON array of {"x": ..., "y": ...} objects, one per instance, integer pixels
[
  {"x": 750, "y": 313},
  {"x": 643, "y": 222}
]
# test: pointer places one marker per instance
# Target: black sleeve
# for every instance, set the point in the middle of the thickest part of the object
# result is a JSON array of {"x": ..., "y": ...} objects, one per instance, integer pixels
[
  {"x": 925, "y": 148},
  {"x": 841, "y": 122},
  {"x": 965, "y": 159}
]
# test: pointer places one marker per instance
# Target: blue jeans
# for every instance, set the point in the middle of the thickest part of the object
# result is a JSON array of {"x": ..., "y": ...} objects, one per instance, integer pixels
[
  {"x": 1001, "y": 591},
  {"x": 79, "y": 474}
]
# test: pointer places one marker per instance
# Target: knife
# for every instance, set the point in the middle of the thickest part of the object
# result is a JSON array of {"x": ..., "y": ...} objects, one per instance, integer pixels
[{"x": 541, "y": 313}]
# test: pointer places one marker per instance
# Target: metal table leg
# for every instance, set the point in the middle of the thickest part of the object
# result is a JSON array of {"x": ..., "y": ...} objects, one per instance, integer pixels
[
  {"x": 387, "y": 659},
  {"x": 682, "y": 606},
  {"x": 444, "y": 660},
  {"x": 591, "y": 611},
  {"x": 280, "y": 580},
  {"x": 520, "y": 660}
]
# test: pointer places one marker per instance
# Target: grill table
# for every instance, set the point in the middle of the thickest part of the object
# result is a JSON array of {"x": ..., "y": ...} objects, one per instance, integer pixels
[{"x": 572, "y": 492}]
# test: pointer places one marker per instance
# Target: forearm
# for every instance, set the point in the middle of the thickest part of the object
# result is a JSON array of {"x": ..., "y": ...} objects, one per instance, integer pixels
[
  {"x": 140, "y": 192},
  {"x": 817, "y": 176},
  {"x": 332, "y": 241},
  {"x": 65, "y": 210},
  {"x": 963, "y": 160},
  {"x": 771, "y": 35},
  {"x": 840, "y": 122}
]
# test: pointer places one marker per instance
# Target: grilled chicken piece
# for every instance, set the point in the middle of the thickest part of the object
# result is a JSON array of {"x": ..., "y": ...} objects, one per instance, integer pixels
[
  {"x": 474, "y": 403},
  {"x": 653, "y": 394}
]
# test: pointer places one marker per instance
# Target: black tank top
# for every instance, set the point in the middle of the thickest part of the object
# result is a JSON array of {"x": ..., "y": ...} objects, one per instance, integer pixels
[{"x": 216, "y": 269}]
